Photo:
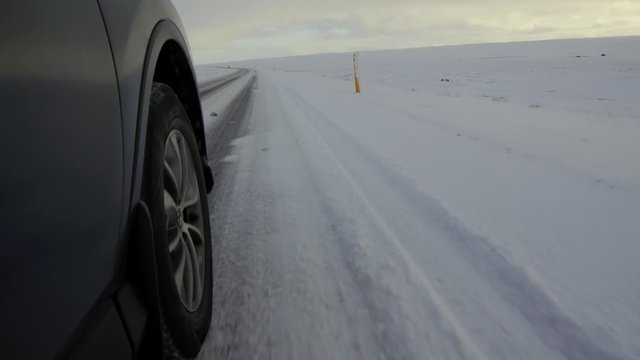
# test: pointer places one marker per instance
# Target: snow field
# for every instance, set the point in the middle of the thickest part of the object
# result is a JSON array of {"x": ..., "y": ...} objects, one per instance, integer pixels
[{"x": 473, "y": 202}]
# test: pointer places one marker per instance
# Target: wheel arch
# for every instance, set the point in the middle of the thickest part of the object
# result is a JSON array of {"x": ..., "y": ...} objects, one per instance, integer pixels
[
  {"x": 173, "y": 68},
  {"x": 167, "y": 60}
]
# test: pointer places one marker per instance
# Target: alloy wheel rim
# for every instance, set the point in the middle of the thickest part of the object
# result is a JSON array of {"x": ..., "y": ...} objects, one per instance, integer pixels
[{"x": 185, "y": 230}]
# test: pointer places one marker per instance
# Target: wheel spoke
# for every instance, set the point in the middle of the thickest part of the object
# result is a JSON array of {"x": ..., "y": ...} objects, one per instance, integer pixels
[
  {"x": 170, "y": 181},
  {"x": 180, "y": 166},
  {"x": 194, "y": 230},
  {"x": 170, "y": 210},
  {"x": 188, "y": 278},
  {"x": 186, "y": 169},
  {"x": 192, "y": 194},
  {"x": 180, "y": 270},
  {"x": 193, "y": 199},
  {"x": 175, "y": 241},
  {"x": 196, "y": 287}
]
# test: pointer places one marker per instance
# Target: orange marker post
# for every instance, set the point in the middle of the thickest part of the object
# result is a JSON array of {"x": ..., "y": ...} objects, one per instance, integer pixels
[{"x": 355, "y": 72}]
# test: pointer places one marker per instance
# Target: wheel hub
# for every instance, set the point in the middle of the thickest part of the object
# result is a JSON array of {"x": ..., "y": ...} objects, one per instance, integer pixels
[{"x": 180, "y": 218}]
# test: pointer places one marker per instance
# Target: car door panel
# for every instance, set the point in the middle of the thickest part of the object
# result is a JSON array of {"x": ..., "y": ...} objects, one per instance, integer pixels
[{"x": 61, "y": 152}]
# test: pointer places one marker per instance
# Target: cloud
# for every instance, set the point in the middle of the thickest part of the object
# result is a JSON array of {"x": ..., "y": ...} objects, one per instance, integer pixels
[{"x": 241, "y": 29}]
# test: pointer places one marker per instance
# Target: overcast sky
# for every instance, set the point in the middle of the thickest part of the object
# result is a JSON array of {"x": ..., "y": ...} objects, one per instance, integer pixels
[{"x": 226, "y": 30}]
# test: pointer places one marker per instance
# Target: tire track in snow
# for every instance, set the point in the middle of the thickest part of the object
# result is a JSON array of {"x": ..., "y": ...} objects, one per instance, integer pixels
[
  {"x": 553, "y": 327},
  {"x": 463, "y": 341},
  {"x": 315, "y": 262},
  {"x": 238, "y": 267},
  {"x": 278, "y": 292}
]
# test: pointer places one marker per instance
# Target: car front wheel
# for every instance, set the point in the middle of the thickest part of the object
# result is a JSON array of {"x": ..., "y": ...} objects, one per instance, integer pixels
[{"x": 174, "y": 191}]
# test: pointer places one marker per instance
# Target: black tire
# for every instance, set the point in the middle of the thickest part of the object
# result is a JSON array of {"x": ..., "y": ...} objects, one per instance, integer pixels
[{"x": 183, "y": 330}]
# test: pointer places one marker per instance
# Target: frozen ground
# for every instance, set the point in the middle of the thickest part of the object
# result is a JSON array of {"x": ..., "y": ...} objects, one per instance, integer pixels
[{"x": 474, "y": 202}]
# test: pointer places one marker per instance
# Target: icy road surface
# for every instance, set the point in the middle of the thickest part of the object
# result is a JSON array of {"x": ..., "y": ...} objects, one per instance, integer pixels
[{"x": 409, "y": 223}]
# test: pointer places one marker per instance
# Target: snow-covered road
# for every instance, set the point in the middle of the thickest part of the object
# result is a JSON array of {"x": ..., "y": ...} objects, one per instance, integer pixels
[{"x": 385, "y": 226}]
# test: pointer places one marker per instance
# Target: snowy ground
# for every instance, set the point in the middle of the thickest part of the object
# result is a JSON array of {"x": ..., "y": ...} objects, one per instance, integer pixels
[{"x": 474, "y": 202}]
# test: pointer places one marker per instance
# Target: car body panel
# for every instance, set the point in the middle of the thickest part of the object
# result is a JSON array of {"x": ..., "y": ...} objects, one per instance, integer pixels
[
  {"x": 62, "y": 183},
  {"x": 75, "y": 83}
]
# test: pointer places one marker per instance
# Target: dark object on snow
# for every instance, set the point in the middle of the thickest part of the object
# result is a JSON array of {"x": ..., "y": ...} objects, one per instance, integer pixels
[{"x": 603, "y": 54}]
